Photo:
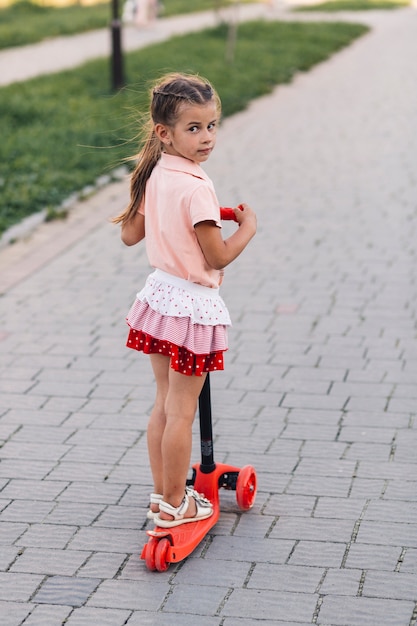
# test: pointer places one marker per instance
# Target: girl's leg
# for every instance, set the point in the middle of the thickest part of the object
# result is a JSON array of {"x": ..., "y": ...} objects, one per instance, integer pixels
[
  {"x": 180, "y": 408},
  {"x": 157, "y": 421}
]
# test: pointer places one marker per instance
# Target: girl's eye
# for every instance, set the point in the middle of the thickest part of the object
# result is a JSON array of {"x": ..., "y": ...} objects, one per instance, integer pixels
[{"x": 193, "y": 129}]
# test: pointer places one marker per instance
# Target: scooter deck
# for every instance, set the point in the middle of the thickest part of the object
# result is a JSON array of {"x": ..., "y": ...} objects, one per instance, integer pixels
[{"x": 185, "y": 538}]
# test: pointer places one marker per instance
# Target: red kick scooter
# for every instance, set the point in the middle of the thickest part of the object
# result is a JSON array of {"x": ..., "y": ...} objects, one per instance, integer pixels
[{"x": 171, "y": 545}]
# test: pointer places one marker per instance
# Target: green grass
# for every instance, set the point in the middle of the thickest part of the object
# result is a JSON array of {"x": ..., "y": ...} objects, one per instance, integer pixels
[
  {"x": 176, "y": 7},
  {"x": 60, "y": 132},
  {"x": 354, "y": 5},
  {"x": 25, "y": 22}
]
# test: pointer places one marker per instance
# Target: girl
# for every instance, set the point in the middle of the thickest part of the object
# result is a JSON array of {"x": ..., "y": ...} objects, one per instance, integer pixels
[{"x": 179, "y": 318}]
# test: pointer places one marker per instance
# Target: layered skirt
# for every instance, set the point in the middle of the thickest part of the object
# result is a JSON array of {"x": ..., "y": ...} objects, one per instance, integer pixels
[{"x": 182, "y": 320}]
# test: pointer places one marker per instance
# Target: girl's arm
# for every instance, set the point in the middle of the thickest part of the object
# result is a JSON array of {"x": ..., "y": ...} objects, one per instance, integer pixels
[
  {"x": 133, "y": 230},
  {"x": 220, "y": 252}
]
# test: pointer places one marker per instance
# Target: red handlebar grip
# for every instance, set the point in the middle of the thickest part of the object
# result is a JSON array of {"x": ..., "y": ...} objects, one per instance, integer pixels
[{"x": 227, "y": 213}]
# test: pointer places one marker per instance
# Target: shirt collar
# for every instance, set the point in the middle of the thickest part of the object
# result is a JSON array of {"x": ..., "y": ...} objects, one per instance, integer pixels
[{"x": 180, "y": 164}]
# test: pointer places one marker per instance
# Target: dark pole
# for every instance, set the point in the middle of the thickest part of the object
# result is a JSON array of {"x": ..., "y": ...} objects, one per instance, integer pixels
[
  {"x": 116, "y": 40},
  {"x": 206, "y": 429}
]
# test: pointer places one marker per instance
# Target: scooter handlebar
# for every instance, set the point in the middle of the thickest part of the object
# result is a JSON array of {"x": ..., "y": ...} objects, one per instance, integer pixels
[{"x": 227, "y": 213}]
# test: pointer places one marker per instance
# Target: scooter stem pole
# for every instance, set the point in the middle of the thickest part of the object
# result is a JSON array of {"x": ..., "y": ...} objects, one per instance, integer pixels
[{"x": 206, "y": 429}]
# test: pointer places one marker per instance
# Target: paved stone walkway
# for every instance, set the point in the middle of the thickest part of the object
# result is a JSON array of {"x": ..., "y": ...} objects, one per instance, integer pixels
[{"x": 319, "y": 392}]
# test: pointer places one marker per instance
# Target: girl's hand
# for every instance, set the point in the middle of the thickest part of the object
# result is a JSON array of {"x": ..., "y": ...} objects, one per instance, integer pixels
[
  {"x": 244, "y": 214},
  {"x": 227, "y": 213}
]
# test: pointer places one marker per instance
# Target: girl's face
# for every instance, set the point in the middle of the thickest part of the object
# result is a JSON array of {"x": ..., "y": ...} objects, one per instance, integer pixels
[{"x": 194, "y": 134}]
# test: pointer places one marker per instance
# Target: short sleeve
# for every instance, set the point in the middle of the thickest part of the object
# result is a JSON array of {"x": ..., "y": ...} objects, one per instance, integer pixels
[{"x": 204, "y": 206}]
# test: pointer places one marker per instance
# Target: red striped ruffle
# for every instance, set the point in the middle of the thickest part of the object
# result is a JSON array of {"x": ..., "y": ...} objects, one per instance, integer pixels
[
  {"x": 182, "y": 360},
  {"x": 179, "y": 331}
]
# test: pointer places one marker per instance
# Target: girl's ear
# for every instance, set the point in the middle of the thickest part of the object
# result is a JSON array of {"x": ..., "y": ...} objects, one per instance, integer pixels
[{"x": 163, "y": 134}]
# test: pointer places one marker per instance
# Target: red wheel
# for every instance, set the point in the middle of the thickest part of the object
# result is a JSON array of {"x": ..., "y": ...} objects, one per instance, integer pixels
[
  {"x": 150, "y": 553},
  {"x": 246, "y": 488},
  {"x": 161, "y": 554}
]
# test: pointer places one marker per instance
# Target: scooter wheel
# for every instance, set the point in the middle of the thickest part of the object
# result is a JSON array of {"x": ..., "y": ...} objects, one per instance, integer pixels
[
  {"x": 246, "y": 488},
  {"x": 151, "y": 553},
  {"x": 161, "y": 553}
]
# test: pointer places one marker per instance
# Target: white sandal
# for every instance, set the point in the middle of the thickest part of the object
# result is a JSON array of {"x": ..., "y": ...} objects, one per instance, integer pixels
[
  {"x": 155, "y": 498},
  {"x": 204, "y": 509}
]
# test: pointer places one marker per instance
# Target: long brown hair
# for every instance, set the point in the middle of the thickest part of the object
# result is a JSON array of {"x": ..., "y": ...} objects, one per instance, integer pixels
[{"x": 167, "y": 96}]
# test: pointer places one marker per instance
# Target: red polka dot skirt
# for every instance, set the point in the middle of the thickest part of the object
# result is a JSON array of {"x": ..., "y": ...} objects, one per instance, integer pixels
[
  {"x": 181, "y": 320},
  {"x": 182, "y": 360}
]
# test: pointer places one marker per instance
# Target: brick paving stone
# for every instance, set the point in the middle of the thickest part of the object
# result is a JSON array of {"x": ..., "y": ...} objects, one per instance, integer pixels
[
  {"x": 311, "y": 416},
  {"x": 72, "y": 471},
  {"x": 399, "y": 586},
  {"x": 4, "y": 504},
  {"x": 373, "y": 435},
  {"x": 367, "y": 488},
  {"x": 91, "y": 493},
  {"x": 409, "y": 562},
  {"x": 31, "y": 511},
  {"x": 47, "y": 434},
  {"x": 101, "y": 539},
  {"x": 389, "y": 533},
  {"x": 261, "y": 604},
  {"x": 369, "y": 452},
  {"x": 49, "y": 561},
  {"x": 104, "y": 454},
  {"x": 41, "y": 417},
  {"x": 7, "y": 556},
  {"x": 317, "y": 553},
  {"x": 276, "y": 621},
  {"x": 18, "y": 587},
  {"x": 14, "y": 613},
  {"x": 125, "y": 594},
  {"x": 390, "y": 511},
  {"x": 142, "y": 618},
  {"x": 45, "y": 615},
  {"x": 73, "y": 513},
  {"x": 368, "y": 557},
  {"x": 320, "y": 486},
  {"x": 311, "y": 432},
  {"x": 197, "y": 599},
  {"x": 257, "y": 549},
  {"x": 67, "y": 590},
  {"x": 325, "y": 467},
  {"x": 295, "y": 506},
  {"x": 286, "y": 578},
  {"x": 119, "y": 517},
  {"x": 219, "y": 573},
  {"x": 327, "y": 449},
  {"x": 41, "y": 535},
  {"x": 345, "y": 611},
  {"x": 102, "y": 565},
  {"x": 402, "y": 490},
  {"x": 341, "y": 582},
  {"x": 311, "y": 529},
  {"x": 35, "y": 451},
  {"x": 340, "y": 508},
  {"x": 9, "y": 532},
  {"x": 376, "y": 420},
  {"x": 86, "y": 616}
]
